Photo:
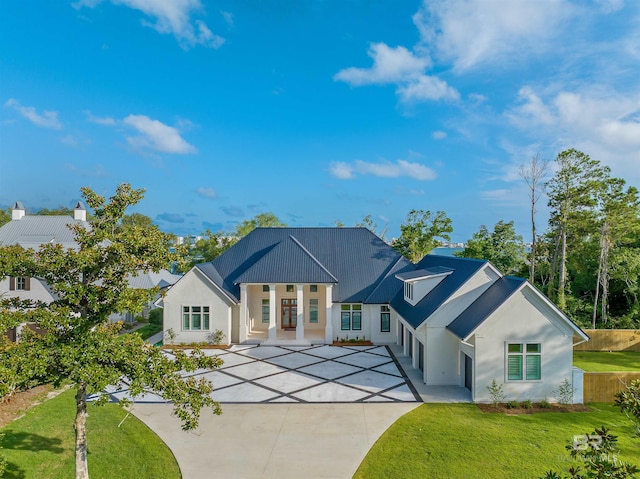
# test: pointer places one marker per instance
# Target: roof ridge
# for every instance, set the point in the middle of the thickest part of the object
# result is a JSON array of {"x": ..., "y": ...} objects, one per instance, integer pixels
[
  {"x": 312, "y": 257},
  {"x": 384, "y": 276}
]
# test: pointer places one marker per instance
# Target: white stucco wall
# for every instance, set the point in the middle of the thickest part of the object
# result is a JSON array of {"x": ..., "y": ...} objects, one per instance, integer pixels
[
  {"x": 38, "y": 291},
  {"x": 194, "y": 289},
  {"x": 523, "y": 318}
]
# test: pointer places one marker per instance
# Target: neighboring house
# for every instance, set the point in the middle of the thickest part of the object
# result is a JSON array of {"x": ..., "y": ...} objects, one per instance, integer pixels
[
  {"x": 32, "y": 231},
  {"x": 460, "y": 320}
]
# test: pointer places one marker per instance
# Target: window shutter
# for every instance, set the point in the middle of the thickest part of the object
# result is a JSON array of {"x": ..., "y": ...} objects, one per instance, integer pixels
[
  {"x": 12, "y": 283},
  {"x": 27, "y": 283}
]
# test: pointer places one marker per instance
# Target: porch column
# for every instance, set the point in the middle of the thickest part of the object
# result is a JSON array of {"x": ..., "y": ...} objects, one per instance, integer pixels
[
  {"x": 328, "y": 329},
  {"x": 244, "y": 314},
  {"x": 300, "y": 317},
  {"x": 272, "y": 313}
]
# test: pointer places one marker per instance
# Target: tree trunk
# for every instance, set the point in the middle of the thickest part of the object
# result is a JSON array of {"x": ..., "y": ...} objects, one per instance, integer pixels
[
  {"x": 554, "y": 267},
  {"x": 82, "y": 468},
  {"x": 606, "y": 244},
  {"x": 562, "y": 279},
  {"x": 532, "y": 268}
]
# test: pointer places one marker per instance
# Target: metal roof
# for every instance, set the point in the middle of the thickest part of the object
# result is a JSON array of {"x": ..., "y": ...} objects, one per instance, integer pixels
[
  {"x": 151, "y": 279},
  {"x": 354, "y": 259},
  {"x": 478, "y": 311},
  {"x": 33, "y": 231},
  {"x": 463, "y": 269},
  {"x": 424, "y": 273}
]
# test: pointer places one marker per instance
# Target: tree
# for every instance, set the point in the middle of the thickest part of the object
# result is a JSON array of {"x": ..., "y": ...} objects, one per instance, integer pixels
[
  {"x": 5, "y": 216},
  {"x": 628, "y": 400},
  {"x": 263, "y": 220},
  {"x": 59, "y": 211},
  {"x": 78, "y": 344},
  {"x": 533, "y": 173},
  {"x": 367, "y": 222},
  {"x": 421, "y": 232},
  {"x": 136, "y": 219},
  {"x": 572, "y": 196},
  {"x": 211, "y": 246},
  {"x": 503, "y": 247}
]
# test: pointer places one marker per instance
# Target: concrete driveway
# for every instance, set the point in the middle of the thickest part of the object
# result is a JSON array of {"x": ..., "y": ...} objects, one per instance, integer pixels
[
  {"x": 288, "y": 412},
  {"x": 323, "y": 441}
]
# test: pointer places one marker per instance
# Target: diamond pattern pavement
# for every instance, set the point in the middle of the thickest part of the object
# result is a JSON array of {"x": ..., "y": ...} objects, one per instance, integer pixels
[{"x": 313, "y": 374}]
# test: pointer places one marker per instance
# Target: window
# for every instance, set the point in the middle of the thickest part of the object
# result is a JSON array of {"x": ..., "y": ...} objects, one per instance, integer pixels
[
  {"x": 351, "y": 317},
  {"x": 313, "y": 288},
  {"x": 20, "y": 283},
  {"x": 289, "y": 288},
  {"x": 265, "y": 288},
  {"x": 195, "y": 318},
  {"x": 524, "y": 361},
  {"x": 408, "y": 290},
  {"x": 385, "y": 319},
  {"x": 313, "y": 310},
  {"x": 265, "y": 310}
]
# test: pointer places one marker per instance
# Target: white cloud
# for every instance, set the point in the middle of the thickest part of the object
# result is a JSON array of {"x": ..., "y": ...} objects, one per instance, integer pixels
[
  {"x": 602, "y": 123},
  {"x": 171, "y": 17},
  {"x": 228, "y": 17},
  {"x": 385, "y": 169},
  {"x": 155, "y": 135},
  {"x": 69, "y": 140},
  {"x": 48, "y": 119},
  {"x": 390, "y": 65},
  {"x": 107, "y": 120},
  {"x": 427, "y": 88},
  {"x": 439, "y": 135},
  {"x": 207, "y": 192},
  {"x": 469, "y": 33}
]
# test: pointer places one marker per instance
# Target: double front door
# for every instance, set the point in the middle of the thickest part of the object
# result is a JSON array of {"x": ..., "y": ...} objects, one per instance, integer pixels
[{"x": 289, "y": 308}]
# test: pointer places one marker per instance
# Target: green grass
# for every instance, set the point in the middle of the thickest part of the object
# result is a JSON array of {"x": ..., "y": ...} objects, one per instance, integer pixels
[
  {"x": 148, "y": 330},
  {"x": 603, "y": 361},
  {"x": 41, "y": 444},
  {"x": 452, "y": 441}
]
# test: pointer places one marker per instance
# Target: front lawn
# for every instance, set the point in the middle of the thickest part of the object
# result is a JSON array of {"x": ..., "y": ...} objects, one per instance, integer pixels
[
  {"x": 603, "y": 361},
  {"x": 41, "y": 444},
  {"x": 452, "y": 441}
]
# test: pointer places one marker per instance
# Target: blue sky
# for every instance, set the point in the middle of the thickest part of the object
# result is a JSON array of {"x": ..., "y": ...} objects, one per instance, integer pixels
[{"x": 315, "y": 110}]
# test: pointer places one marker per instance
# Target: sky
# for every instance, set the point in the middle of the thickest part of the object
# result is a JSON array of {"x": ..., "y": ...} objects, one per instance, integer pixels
[{"x": 316, "y": 110}]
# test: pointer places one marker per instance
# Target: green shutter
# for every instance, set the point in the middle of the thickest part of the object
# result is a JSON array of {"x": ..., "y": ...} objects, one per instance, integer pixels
[
  {"x": 514, "y": 367},
  {"x": 533, "y": 367}
]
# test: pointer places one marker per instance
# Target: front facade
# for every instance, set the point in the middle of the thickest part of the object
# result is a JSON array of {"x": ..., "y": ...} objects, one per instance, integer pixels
[{"x": 460, "y": 320}]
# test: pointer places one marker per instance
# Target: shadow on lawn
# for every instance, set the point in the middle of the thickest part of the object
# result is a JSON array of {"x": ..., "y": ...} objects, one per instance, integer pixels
[
  {"x": 26, "y": 441},
  {"x": 12, "y": 471}
]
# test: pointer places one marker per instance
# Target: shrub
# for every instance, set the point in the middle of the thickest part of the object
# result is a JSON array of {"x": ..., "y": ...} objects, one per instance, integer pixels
[
  {"x": 526, "y": 404},
  {"x": 215, "y": 337},
  {"x": 496, "y": 392},
  {"x": 512, "y": 404},
  {"x": 170, "y": 335},
  {"x": 629, "y": 403},
  {"x": 544, "y": 404},
  {"x": 155, "y": 316},
  {"x": 564, "y": 393}
]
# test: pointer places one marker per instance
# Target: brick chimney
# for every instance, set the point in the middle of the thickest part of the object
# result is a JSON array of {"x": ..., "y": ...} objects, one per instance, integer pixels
[
  {"x": 18, "y": 211},
  {"x": 80, "y": 212}
]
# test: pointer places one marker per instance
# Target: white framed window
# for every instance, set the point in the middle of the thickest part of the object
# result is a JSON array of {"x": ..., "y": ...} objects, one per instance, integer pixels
[
  {"x": 313, "y": 288},
  {"x": 195, "y": 318},
  {"x": 265, "y": 288},
  {"x": 524, "y": 361},
  {"x": 385, "y": 319},
  {"x": 313, "y": 310},
  {"x": 19, "y": 283},
  {"x": 289, "y": 288},
  {"x": 265, "y": 310},
  {"x": 351, "y": 317}
]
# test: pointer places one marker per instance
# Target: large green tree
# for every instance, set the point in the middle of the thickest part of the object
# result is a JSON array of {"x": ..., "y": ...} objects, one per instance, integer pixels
[
  {"x": 421, "y": 232},
  {"x": 5, "y": 216},
  {"x": 77, "y": 343},
  {"x": 572, "y": 197},
  {"x": 502, "y": 246},
  {"x": 262, "y": 220},
  {"x": 371, "y": 225}
]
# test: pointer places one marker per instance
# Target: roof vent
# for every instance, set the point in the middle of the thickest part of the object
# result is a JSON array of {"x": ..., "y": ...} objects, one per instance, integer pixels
[
  {"x": 80, "y": 212},
  {"x": 18, "y": 211}
]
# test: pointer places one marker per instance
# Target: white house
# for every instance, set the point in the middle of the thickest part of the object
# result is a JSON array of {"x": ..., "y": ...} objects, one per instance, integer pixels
[{"x": 460, "y": 320}]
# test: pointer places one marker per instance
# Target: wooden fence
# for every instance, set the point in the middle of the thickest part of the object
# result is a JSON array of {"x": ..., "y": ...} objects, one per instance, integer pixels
[
  {"x": 602, "y": 387},
  {"x": 611, "y": 340}
]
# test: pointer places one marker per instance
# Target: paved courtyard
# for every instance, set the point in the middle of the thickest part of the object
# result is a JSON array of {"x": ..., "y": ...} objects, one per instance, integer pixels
[{"x": 304, "y": 374}]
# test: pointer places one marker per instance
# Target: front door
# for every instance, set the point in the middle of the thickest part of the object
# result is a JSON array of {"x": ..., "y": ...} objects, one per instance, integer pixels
[{"x": 289, "y": 308}]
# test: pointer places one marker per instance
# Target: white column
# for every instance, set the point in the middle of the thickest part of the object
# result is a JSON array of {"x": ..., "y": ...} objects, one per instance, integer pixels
[
  {"x": 273, "y": 331},
  {"x": 328, "y": 329},
  {"x": 300, "y": 318},
  {"x": 244, "y": 313}
]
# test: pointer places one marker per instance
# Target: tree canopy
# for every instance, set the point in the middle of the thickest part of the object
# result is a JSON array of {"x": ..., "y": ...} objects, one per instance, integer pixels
[
  {"x": 421, "y": 232},
  {"x": 77, "y": 343}
]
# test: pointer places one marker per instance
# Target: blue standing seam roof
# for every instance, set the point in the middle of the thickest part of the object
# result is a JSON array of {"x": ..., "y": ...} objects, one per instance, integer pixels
[
  {"x": 478, "y": 311},
  {"x": 464, "y": 268}
]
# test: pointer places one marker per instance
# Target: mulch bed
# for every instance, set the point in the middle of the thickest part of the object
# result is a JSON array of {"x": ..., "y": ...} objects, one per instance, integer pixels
[
  {"x": 517, "y": 411},
  {"x": 193, "y": 346},
  {"x": 17, "y": 404}
]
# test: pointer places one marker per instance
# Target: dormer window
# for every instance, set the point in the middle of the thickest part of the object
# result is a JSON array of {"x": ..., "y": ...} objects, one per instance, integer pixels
[
  {"x": 19, "y": 283},
  {"x": 408, "y": 291}
]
